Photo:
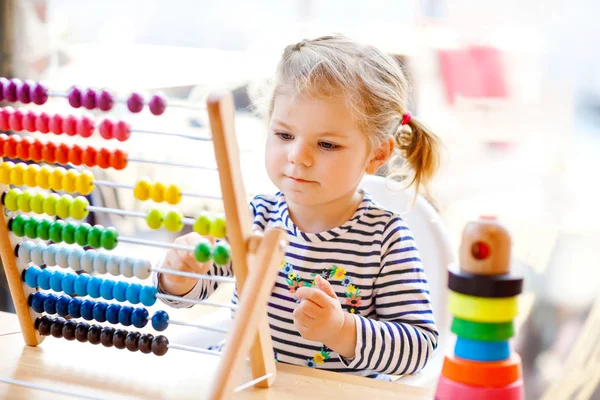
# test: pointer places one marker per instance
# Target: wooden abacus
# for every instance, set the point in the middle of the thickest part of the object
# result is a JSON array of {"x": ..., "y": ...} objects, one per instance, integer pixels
[{"x": 256, "y": 258}]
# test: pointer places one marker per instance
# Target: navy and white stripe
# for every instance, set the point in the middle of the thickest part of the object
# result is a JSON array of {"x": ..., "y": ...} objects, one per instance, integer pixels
[{"x": 396, "y": 332}]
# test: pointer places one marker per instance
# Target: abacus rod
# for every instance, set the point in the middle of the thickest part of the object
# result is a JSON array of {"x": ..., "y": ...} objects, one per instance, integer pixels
[
  {"x": 155, "y": 244},
  {"x": 177, "y": 104},
  {"x": 252, "y": 382},
  {"x": 194, "y": 349},
  {"x": 118, "y": 211},
  {"x": 128, "y": 186},
  {"x": 171, "y": 164},
  {"x": 182, "y": 135},
  {"x": 223, "y": 279},
  {"x": 195, "y": 301},
  {"x": 199, "y": 326},
  {"x": 48, "y": 389}
]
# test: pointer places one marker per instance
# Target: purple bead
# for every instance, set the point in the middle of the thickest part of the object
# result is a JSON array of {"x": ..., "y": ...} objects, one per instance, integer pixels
[
  {"x": 39, "y": 94},
  {"x": 88, "y": 99},
  {"x": 158, "y": 104},
  {"x": 135, "y": 102},
  {"x": 75, "y": 97},
  {"x": 24, "y": 91},
  {"x": 105, "y": 100},
  {"x": 10, "y": 90},
  {"x": 3, "y": 83}
]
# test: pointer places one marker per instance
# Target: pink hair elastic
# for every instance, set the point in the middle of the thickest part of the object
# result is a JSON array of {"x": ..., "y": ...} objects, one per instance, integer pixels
[{"x": 406, "y": 118}]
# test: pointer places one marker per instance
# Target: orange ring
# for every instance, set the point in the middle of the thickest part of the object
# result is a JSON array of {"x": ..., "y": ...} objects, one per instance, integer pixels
[{"x": 483, "y": 374}]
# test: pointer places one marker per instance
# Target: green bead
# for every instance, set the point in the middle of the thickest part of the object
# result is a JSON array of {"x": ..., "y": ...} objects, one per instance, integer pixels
[
  {"x": 10, "y": 199},
  {"x": 43, "y": 229},
  {"x": 203, "y": 251},
  {"x": 173, "y": 221},
  {"x": 78, "y": 209},
  {"x": 24, "y": 202},
  {"x": 154, "y": 219},
  {"x": 50, "y": 204},
  {"x": 222, "y": 253},
  {"x": 55, "y": 230},
  {"x": 94, "y": 236},
  {"x": 63, "y": 206},
  {"x": 30, "y": 228},
  {"x": 37, "y": 203},
  {"x": 108, "y": 240},
  {"x": 202, "y": 225},
  {"x": 81, "y": 234},
  {"x": 68, "y": 233},
  {"x": 217, "y": 229},
  {"x": 18, "y": 224}
]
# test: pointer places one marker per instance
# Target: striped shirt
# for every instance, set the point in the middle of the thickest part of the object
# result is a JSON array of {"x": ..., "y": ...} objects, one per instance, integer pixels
[{"x": 373, "y": 264}]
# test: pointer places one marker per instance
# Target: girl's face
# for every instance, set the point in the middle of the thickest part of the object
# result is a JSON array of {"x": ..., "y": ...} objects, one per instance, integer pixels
[{"x": 316, "y": 153}]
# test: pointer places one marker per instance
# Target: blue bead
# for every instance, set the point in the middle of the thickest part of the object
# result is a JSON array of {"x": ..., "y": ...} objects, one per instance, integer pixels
[
  {"x": 125, "y": 315},
  {"x": 68, "y": 283},
  {"x": 120, "y": 291},
  {"x": 44, "y": 279},
  {"x": 93, "y": 287},
  {"x": 81, "y": 285},
  {"x": 87, "y": 309},
  {"x": 62, "y": 306},
  {"x": 133, "y": 293},
  {"x": 37, "y": 302},
  {"x": 148, "y": 296},
  {"x": 139, "y": 317},
  {"x": 100, "y": 312},
  {"x": 106, "y": 289},
  {"x": 50, "y": 304},
  {"x": 31, "y": 276},
  {"x": 112, "y": 313},
  {"x": 75, "y": 307},
  {"x": 160, "y": 320},
  {"x": 56, "y": 281}
]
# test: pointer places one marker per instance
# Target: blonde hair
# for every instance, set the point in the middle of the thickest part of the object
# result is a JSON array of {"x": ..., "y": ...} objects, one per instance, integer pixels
[{"x": 376, "y": 90}]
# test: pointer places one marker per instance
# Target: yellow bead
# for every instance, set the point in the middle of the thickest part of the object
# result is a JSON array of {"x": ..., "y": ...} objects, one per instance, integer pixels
[
  {"x": 30, "y": 177},
  {"x": 154, "y": 218},
  {"x": 173, "y": 194},
  {"x": 157, "y": 193},
  {"x": 78, "y": 209},
  {"x": 173, "y": 221},
  {"x": 202, "y": 224},
  {"x": 43, "y": 177},
  {"x": 70, "y": 181},
  {"x": 63, "y": 206},
  {"x": 56, "y": 178},
  {"x": 50, "y": 204},
  {"x": 5, "y": 169},
  {"x": 85, "y": 182},
  {"x": 141, "y": 191},
  {"x": 37, "y": 203},
  {"x": 217, "y": 228},
  {"x": 10, "y": 200},
  {"x": 17, "y": 174}
]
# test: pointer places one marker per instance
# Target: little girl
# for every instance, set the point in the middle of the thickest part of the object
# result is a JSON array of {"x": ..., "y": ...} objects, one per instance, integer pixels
[{"x": 351, "y": 295}]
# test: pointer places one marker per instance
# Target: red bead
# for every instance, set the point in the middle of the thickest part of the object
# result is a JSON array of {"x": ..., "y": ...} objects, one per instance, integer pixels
[
  {"x": 39, "y": 94},
  {"x": 89, "y": 156},
  {"x": 88, "y": 99},
  {"x": 135, "y": 102},
  {"x": 85, "y": 126},
  {"x": 75, "y": 97},
  {"x": 103, "y": 158},
  {"x": 35, "y": 151},
  {"x": 56, "y": 124},
  {"x": 122, "y": 131},
  {"x": 106, "y": 128},
  {"x": 105, "y": 100},
  {"x": 118, "y": 159},
  {"x": 49, "y": 153},
  {"x": 10, "y": 146},
  {"x": 157, "y": 104},
  {"x": 10, "y": 90},
  {"x": 29, "y": 121},
  {"x": 76, "y": 154},
  {"x": 70, "y": 125},
  {"x": 4, "y": 118},
  {"x": 23, "y": 148},
  {"x": 16, "y": 120},
  {"x": 3, "y": 139},
  {"x": 42, "y": 123},
  {"x": 62, "y": 153},
  {"x": 24, "y": 91},
  {"x": 480, "y": 250}
]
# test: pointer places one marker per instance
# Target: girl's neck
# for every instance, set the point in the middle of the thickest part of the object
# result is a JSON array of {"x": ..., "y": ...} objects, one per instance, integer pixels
[{"x": 315, "y": 219}]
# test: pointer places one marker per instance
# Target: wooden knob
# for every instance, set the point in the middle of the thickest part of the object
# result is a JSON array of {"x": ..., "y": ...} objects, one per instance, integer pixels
[{"x": 485, "y": 248}]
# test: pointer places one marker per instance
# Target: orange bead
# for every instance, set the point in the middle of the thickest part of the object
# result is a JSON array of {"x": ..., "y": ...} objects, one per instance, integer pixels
[
  {"x": 49, "y": 153},
  {"x": 75, "y": 154},
  {"x": 89, "y": 156},
  {"x": 62, "y": 153},
  {"x": 118, "y": 159},
  {"x": 3, "y": 140},
  {"x": 23, "y": 148},
  {"x": 10, "y": 146},
  {"x": 103, "y": 158},
  {"x": 35, "y": 151}
]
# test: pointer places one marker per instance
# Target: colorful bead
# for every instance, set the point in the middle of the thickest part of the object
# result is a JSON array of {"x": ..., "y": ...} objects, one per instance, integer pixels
[
  {"x": 30, "y": 175},
  {"x": 56, "y": 230},
  {"x": 24, "y": 202},
  {"x": 49, "y": 253},
  {"x": 5, "y": 169},
  {"x": 160, "y": 320},
  {"x": 109, "y": 238},
  {"x": 126, "y": 267},
  {"x": 222, "y": 253},
  {"x": 4, "y": 117},
  {"x": 70, "y": 125},
  {"x": 105, "y": 100},
  {"x": 56, "y": 124},
  {"x": 56, "y": 282},
  {"x": 131, "y": 341},
  {"x": 87, "y": 261},
  {"x": 141, "y": 268},
  {"x": 62, "y": 153},
  {"x": 106, "y": 128},
  {"x": 68, "y": 331},
  {"x": 89, "y": 156},
  {"x": 173, "y": 194},
  {"x": 135, "y": 102},
  {"x": 62, "y": 255},
  {"x": 31, "y": 276},
  {"x": 43, "y": 326},
  {"x": 85, "y": 126},
  {"x": 154, "y": 218},
  {"x": 74, "y": 259},
  {"x": 85, "y": 183},
  {"x": 10, "y": 90},
  {"x": 125, "y": 315},
  {"x": 157, "y": 193},
  {"x": 10, "y": 146},
  {"x": 49, "y": 153},
  {"x": 112, "y": 264},
  {"x": 145, "y": 343},
  {"x": 62, "y": 305},
  {"x": 142, "y": 189},
  {"x": 80, "y": 285},
  {"x": 122, "y": 131},
  {"x": 112, "y": 313},
  {"x": 75, "y": 158},
  {"x": 43, "y": 177},
  {"x": 99, "y": 311},
  {"x": 87, "y": 309},
  {"x": 100, "y": 263},
  {"x": 17, "y": 225},
  {"x": 120, "y": 290},
  {"x": 118, "y": 159},
  {"x": 74, "y": 96},
  {"x": 160, "y": 345},
  {"x": 10, "y": 199},
  {"x": 103, "y": 158},
  {"x": 81, "y": 332},
  {"x": 63, "y": 205},
  {"x": 37, "y": 203},
  {"x": 23, "y": 148},
  {"x": 119, "y": 337},
  {"x": 75, "y": 307},
  {"x": 39, "y": 94},
  {"x": 81, "y": 234},
  {"x": 42, "y": 122},
  {"x": 148, "y": 295},
  {"x": 37, "y": 301},
  {"x": 203, "y": 251},
  {"x": 30, "y": 228},
  {"x": 44, "y": 279},
  {"x": 88, "y": 99},
  {"x": 3, "y": 82},
  {"x": 56, "y": 327},
  {"x": 17, "y": 174},
  {"x": 56, "y": 178},
  {"x": 106, "y": 336},
  {"x": 35, "y": 151},
  {"x": 78, "y": 208},
  {"x": 16, "y": 120},
  {"x": 37, "y": 254},
  {"x": 133, "y": 293},
  {"x": 68, "y": 233},
  {"x": 68, "y": 283},
  {"x": 157, "y": 104},
  {"x": 106, "y": 289},
  {"x": 139, "y": 317},
  {"x": 94, "y": 235},
  {"x": 70, "y": 181},
  {"x": 24, "y": 91},
  {"x": 93, "y": 335},
  {"x": 93, "y": 287},
  {"x": 24, "y": 251},
  {"x": 43, "y": 229}
]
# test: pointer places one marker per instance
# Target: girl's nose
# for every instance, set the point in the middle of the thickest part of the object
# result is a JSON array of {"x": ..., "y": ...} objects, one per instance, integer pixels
[{"x": 300, "y": 154}]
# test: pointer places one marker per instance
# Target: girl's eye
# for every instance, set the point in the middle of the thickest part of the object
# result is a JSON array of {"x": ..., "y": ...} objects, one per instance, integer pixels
[
  {"x": 329, "y": 146},
  {"x": 284, "y": 136}
]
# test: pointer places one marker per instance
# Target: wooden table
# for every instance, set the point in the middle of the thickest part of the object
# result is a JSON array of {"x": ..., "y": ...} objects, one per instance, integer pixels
[{"x": 100, "y": 372}]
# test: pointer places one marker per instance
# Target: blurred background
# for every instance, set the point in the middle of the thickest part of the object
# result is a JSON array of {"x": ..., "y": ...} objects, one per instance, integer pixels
[{"x": 510, "y": 86}]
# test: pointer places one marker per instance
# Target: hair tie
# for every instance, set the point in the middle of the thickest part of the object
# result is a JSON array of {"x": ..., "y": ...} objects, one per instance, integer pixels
[{"x": 406, "y": 118}]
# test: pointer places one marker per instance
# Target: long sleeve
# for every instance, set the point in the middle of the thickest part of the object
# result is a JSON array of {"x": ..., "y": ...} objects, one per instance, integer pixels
[{"x": 403, "y": 336}]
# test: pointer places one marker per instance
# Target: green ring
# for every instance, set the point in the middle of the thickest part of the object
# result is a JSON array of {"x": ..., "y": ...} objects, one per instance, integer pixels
[{"x": 482, "y": 331}]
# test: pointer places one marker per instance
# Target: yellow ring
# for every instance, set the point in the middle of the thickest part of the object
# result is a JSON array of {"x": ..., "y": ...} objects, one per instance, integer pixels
[{"x": 482, "y": 309}]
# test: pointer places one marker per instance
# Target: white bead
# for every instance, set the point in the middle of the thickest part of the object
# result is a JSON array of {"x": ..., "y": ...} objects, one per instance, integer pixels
[
  {"x": 100, "y": 263},
  {"x": 74, "y": 259},
  {"x": 37, "y": 254},
  {"x": 141, "y": 268},
  {"x": 112, "y": 265},
  {"x": 87, "y": 261},
  {"x": 126, "y": 267},
  {"x": 62, "y": 254},
  {"x": 49, "y": 255},
  {"x": 24, "y": 251}
]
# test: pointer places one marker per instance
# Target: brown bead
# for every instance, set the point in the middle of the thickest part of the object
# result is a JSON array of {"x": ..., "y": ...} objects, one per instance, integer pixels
[
  {"x": 81, "y": 332},
  {"x": 160, "y": 345},
  {"x": 119, "y": 338},
  {"x": 106, "y": 336},
  {"x": 145, "y": 343},
  {"x": 131, "y": 341}
]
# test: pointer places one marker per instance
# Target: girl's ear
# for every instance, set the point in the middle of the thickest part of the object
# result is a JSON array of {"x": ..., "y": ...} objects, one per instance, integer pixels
[{"x": 381, "y": 155}]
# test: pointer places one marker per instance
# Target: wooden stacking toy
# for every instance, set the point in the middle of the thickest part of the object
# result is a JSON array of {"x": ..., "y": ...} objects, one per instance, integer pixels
[{"x": 483, "y": 301}]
